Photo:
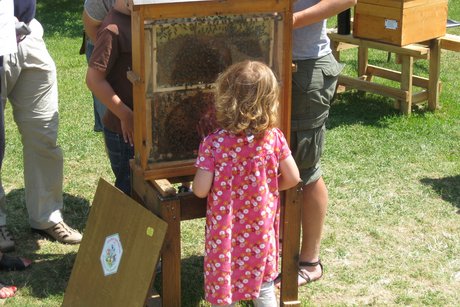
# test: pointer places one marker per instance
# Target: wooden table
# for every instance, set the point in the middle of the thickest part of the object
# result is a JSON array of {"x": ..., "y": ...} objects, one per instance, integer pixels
[
  {"x": 405, "y": 96},
  {"x": 157, "y": 197}
]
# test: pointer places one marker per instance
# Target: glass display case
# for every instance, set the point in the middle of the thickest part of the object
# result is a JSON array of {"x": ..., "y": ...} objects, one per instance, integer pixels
[{"x": 179, "y": 49}]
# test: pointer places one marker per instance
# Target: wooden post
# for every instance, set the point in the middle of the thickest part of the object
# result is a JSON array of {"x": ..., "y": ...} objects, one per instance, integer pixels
[
  {"x": 171, "y": 254},
  {"x": 406, "y": 82},
  {"x": 434, "y": 73},
  {"x": 363, "y": 54},
  {"x": 291, "y": 244}
]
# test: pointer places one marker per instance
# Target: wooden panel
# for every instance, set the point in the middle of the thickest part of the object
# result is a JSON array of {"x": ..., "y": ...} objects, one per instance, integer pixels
[
  {"x": 377, "y": 11},
  {"x": 141, "y": 236},
  {"x": 410, "y": 22},
  {"x": 423, "y": 23},
  {"x": 399, "y": 3},
  {"x": 192, "y": 207},
  {"x": 209, "y": 8}
]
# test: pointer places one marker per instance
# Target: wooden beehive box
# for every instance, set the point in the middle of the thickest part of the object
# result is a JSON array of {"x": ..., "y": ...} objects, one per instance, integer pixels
[
  {"x": 179, "y": 48},
  {"x": 400, "y": 22}
]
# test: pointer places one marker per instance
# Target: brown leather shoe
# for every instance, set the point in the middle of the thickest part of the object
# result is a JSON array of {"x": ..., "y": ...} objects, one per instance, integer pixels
[
  {"x": 62, "y": 233},
  {"x": 6, "y": 240}
]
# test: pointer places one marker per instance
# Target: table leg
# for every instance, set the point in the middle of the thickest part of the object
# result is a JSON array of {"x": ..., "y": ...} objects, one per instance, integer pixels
[
  {"x": 291, "y": 243},
  {"x": 363, "y": 58},
  {"x": 406, "y": 82},
  {"x": 434, "y": 73},
  {"x": 171, "y": 255}
]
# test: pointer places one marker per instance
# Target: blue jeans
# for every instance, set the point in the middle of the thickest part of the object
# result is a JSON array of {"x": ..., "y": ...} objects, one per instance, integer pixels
[
  {"x": 119, "y": 154},
  {"x": 99, "y": 107}
]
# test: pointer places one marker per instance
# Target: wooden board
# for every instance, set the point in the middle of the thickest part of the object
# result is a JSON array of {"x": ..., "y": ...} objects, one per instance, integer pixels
[
  {"x": 114, "y": 215},
  {"x": 400, "y": 22}
]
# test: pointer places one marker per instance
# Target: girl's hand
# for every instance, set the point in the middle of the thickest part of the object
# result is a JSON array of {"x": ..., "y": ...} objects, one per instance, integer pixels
[{"x": 127, "y": 126}]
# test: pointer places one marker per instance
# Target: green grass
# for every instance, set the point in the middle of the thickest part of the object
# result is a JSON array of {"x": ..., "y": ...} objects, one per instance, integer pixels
[{"x": 392, "y": 230}]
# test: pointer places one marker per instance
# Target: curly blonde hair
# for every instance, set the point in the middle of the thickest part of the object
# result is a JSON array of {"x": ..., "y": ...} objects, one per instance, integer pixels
[{"x": 247, "y": 98}]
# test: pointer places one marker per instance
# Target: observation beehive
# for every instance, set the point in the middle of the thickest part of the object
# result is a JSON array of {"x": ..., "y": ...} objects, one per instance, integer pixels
[{"x": 179, "y": 48}]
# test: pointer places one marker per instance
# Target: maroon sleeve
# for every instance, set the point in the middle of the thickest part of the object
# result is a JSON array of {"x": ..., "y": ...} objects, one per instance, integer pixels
[{"x": 105, "y": 50}]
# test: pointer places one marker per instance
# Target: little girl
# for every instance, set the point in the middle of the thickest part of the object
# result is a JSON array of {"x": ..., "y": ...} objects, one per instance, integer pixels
[{"x": 241, "y": 169}]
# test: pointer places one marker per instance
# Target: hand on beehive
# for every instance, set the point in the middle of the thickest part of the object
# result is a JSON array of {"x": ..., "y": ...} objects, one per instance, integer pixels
[{"x": 127, "y": 125}]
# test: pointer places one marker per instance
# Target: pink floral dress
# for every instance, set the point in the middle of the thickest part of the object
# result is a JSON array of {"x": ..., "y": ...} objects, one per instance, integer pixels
[{"x": 242, "y": 217}]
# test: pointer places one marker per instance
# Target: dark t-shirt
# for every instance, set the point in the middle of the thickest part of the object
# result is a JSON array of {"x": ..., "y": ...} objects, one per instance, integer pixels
[
  {"x": 112, "y": 54},
  {"x": 24, "y": 10}
]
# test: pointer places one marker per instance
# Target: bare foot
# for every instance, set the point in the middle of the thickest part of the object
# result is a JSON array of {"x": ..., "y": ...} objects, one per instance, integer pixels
[{"x": 7, "y": 291}]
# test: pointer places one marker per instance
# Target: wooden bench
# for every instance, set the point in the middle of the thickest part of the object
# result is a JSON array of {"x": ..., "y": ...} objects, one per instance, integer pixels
[{"x": 404, "y": 96}]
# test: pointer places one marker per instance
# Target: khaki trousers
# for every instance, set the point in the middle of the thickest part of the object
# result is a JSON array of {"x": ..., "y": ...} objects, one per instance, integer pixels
[{"x": 29, "y": 82}]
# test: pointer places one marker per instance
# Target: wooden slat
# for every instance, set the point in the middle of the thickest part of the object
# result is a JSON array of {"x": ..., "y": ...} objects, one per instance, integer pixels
[
  {"x": 450, "y": 42},
  {"x": 420, "y": 97},
  {"x": 171, "y": 171},
  {"x": 164, "y": 187},
  {"x": 140, "y": 126},
  {"x": 210, "y": 8},
  {"x": 373, "y": 87},
  {"x": 192, "y": 207},
  {"x": 395, "y": 75},
  {"x": 414, "y": 50}
]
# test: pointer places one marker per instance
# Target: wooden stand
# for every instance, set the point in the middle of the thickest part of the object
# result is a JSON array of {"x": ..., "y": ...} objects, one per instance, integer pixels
[
  {"x": 181, "y": 207},
  {"x": 405, "y": 96}
]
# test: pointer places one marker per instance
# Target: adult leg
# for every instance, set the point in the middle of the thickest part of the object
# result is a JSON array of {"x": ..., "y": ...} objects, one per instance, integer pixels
[
  {"x": 34, "y": 98},
  {"x": 313, "y": 88},
  {"x": 6, "y": 239},
  {"x": 313, "y": 215}
]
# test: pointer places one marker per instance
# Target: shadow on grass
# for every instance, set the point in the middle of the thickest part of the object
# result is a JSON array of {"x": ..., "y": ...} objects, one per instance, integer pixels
[
  {"x": 353, "y": 107},
  {"x": 75, "y": 212},
  {"x": 60, "y": 17},
  {"x": 47, "y": 277},
  {"x": 49, "y": 273},
  {"x": 447, "y": 188},
  {"x": 192, "y": 281}
]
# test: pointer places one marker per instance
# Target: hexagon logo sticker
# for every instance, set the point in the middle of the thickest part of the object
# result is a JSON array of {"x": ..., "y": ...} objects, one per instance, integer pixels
[{"x": 111, "y": 254}]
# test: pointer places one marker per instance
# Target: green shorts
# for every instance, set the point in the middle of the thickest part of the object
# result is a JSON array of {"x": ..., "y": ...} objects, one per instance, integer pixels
[
  {"x": 307, "y": 148},
  {"x": 313, "y": 88}
]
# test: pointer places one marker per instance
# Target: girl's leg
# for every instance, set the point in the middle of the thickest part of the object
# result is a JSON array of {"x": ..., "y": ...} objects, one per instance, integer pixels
[{"x": 267, "y": 297}]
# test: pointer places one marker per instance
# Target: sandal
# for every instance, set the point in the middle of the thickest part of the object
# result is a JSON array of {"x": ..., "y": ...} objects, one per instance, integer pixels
[
  {"x": 8, "y": 263},
  {"x": 7, "y": 291},
  {"x": 304, "y": 277}
]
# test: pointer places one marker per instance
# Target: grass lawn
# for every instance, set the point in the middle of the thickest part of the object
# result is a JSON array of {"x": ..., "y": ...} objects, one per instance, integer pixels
[{"x": 392, "y": 230}]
